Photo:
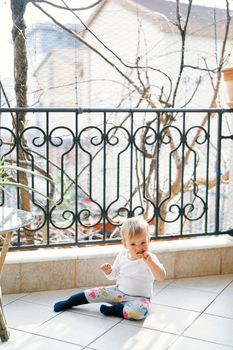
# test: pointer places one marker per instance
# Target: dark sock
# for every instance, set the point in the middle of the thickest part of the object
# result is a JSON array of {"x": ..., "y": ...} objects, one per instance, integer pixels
[
  {"x": 74, "y": 300},
  {"x": 114, "y": 310}
]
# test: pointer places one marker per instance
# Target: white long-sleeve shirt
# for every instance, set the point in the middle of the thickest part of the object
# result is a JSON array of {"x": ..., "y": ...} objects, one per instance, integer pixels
[{"x": 134, "y": 277}]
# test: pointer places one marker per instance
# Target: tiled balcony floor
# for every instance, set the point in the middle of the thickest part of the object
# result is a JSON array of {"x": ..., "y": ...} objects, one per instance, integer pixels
[{"x": 193, "y": 313}]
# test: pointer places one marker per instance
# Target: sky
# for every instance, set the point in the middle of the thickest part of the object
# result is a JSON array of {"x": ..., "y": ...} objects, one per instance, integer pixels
[{"x": 34, "y": 15}]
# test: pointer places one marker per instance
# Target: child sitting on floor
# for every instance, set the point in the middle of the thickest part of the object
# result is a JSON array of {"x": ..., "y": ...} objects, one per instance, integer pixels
[{"x": 134, "y": 269}]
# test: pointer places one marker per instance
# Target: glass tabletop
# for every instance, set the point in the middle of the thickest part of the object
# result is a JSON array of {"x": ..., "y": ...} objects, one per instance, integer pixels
[{"x": 12, "y": 219}]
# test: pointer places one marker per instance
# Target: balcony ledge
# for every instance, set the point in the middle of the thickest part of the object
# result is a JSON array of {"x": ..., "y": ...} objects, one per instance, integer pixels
[{"x": 61, "y": 268}]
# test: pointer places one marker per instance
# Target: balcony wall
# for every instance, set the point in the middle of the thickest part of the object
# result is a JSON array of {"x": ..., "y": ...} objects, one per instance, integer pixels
[{"x": 51, "y": 269}]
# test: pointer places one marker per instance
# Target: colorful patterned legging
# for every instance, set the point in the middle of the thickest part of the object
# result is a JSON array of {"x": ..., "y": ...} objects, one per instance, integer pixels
[{"x": 135, "y": 308}]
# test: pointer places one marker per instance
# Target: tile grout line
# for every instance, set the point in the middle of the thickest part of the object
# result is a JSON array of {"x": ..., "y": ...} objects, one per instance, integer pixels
[
  {"x": 198, "y": 316},
  {"x": 219, "y": 316},
  {"x": 42, "y": 336},
  {"x": 163, "y": 288},
  {"x": 16, "y": 299},
  {"x": 177, "y": 307},
  {"x": 81, "y": 312},
  {"x": 231, "y": 282},
  {"x": 197, "y": 289},
  {"x": 116, "y": 324},
  {"x": 154, "y": 329},
  {"x": 203, "y": 340}
]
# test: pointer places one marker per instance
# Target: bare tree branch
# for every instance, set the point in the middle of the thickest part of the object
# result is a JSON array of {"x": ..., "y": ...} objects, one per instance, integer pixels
[
  {"x": 183, "y": 32},
  {"x": 114, "y": 54},
  {"x": 65, "y": 7}
]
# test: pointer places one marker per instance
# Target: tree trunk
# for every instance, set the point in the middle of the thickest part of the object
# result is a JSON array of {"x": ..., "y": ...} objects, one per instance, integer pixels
[{"x": 20, "y": 75}]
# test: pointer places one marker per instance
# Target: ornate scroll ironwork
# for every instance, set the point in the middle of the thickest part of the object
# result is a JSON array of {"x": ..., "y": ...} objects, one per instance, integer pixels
[{"x": 166, "y": 165}]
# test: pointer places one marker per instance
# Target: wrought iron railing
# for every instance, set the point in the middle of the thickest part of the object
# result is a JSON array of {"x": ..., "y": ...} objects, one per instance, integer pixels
[{"x": 171, "y": 165}]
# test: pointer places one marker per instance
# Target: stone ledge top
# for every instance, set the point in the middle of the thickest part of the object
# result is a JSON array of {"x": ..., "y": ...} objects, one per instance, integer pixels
[{"x": 93, "y": 252}]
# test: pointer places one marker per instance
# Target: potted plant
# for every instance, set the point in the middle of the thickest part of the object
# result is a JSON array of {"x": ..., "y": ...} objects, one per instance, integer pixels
[
  {"x": 228, "y": 78},
  {"x": 6, "y": 179}
]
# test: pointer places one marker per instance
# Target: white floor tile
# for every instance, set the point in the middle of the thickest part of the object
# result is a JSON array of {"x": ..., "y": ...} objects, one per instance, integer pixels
[
  {"x": 168, "y": 319},
  {"x": 212, "y": 328},
  {"x": 6, "y": 299},
  {"x": 159, "y": 286},
  {"x": 192, "y": 344},
  {"x": 92, "y": 310},
  {"x": 190, "y": 299},
  {"x": 26, "y": 316},
  {"x": 222, "y": 306},
  {"x": 14, "y": 336},
  {"x": 34, "y": 342},
  {"x": 213, "y": 284},
  {"x": 229, "y": 289},
  {"x": 126, "y": 337},
  {"x": 49, "y": 298},
  {"x": 175, "y": 306},
  {"x": 75, "y": 328}
]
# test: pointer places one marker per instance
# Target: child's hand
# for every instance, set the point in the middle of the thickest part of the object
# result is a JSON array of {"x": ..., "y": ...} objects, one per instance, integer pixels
[
  {"x": 147, "y": 257},
  {"x": 140, "y": 254},
  {"x": 106, "y": 268},
  {"x": 155, "y": 266}
]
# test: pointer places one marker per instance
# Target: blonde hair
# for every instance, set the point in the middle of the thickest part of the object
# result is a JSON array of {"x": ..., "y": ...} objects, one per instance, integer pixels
[{"x": 133, "y": 227}]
